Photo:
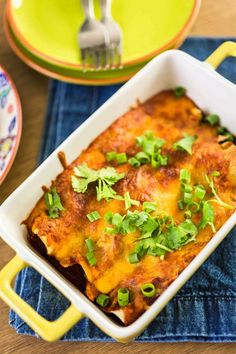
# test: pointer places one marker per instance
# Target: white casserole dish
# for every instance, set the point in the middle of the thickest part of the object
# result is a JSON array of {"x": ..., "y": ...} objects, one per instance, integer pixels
[{"x": 210, "y": 91}]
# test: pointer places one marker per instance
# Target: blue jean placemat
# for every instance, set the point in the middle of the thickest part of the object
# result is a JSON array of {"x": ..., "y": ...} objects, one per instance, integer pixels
[{"x": 205, "y": 308}]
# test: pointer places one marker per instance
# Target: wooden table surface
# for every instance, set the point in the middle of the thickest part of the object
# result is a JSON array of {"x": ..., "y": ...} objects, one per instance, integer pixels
[{"x": 216, "y": 18}]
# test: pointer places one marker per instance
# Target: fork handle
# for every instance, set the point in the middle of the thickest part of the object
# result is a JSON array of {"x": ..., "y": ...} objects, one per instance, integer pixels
[
  {"x": 105, "y": 8},
  {"x": 88, "y": 8}
]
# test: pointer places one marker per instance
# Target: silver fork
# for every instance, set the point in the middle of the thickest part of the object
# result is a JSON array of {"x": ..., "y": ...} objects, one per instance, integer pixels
[
  {"x": 115, "y": 34},
  {"x": 93, "y": 39}
]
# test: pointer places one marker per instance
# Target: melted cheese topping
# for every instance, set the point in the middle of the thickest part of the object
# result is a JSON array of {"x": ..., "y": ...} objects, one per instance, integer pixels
[{"x": 64, "y": 237}]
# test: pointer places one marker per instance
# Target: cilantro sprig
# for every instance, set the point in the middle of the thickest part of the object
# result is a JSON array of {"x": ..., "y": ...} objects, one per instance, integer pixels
[
  {"x": 53, "y": 203},
  {"x": 105, "y": 178},
  {"x": 212, "y": 186},
  {"x": 208, "y": 216}
]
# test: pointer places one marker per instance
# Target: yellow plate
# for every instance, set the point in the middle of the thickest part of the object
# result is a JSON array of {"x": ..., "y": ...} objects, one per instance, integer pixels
[
  {"x": 49, "y": 28},
  {"x": 58, "y": 72}
]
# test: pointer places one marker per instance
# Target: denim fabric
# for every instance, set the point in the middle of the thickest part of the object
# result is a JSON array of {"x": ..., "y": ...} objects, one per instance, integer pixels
[{"x": 205, "y": 308}]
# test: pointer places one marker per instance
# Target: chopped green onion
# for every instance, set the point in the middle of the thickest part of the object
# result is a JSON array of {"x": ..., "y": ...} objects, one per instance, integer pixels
[
  {"x": 133, "y": 258},
  {"x": 188, "y": 197},
  {"x": 139, "y": 140},
  {"x": 194, "y": 207},
  {"x": 116, "y": 219},
  {"x": 103, "y": 300},
  {"x": 215, "y": 174},
  {"x": 93, "y": 216},
  {"x": 129, "y": 202},
  {"x": 163, "y": 160},
  {"x": 142, "y": 157},
  {"x": 148, "y": 290},
  {"x": 212, "y": 119},
  {"x": 185, "y": 144},
  {"x": 48, "y": 199},
  {"x": 108, "y": 216},
  {"x": 110, "y": 156},
  {"x": 158, "y": 160},
  {"x": 91, "y": 258},
  {"x": 181, "y": 205},
  {"x": 89, "y": 244},
  {"x": 199, "y": 192},
  {"x": 179, "y": 91},
  {"x": 155, "y": 163},
  {"x": 121, "y": 158},
  {"x": 149, "y": 146},
  {"x": 53, "y": 203},
  {"x": 185, "y": 175},
  {"x": 188, "y": 214},
  {"x": 134, "y": 162},
  {"x": 123, "y": 297},
  {"x": 186, "y": 187},
  {"x": 149, "y": 206},
  {"x": 110, "y": 230}
]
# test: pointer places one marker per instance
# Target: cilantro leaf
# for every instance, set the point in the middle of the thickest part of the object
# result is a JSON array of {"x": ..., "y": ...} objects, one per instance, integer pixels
[
  {"x": 105, "y": 177},
  {"x": 185, "y": 144},
  {"x": 182, "y": 234},
  {"x": 104, "y": 191},
  {"x": 150, "y": 225},
  {"x": 214, "y": 192},
  {"x": 110, "y": 175},
  {"x": 208, "y": 216},
  {"x": 86, "y": 174}
]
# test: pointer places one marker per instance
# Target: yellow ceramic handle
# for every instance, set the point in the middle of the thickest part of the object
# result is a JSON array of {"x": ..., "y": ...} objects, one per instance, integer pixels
[
  {"x": 225, "y": 50},
  {"x": 50, "y": 331}
]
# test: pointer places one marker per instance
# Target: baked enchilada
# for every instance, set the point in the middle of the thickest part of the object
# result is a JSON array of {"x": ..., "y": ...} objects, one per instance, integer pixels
[{"x": 139, "y": 203}]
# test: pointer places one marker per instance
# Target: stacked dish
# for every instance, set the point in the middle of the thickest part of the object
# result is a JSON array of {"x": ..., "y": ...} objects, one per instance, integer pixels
[{"x": 43, "y": 34}]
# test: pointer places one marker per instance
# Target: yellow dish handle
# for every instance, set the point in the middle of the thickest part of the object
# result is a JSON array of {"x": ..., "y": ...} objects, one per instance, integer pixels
[
  {"x": 225, "y": 50},
  {"x": 48, "y": 330}
]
